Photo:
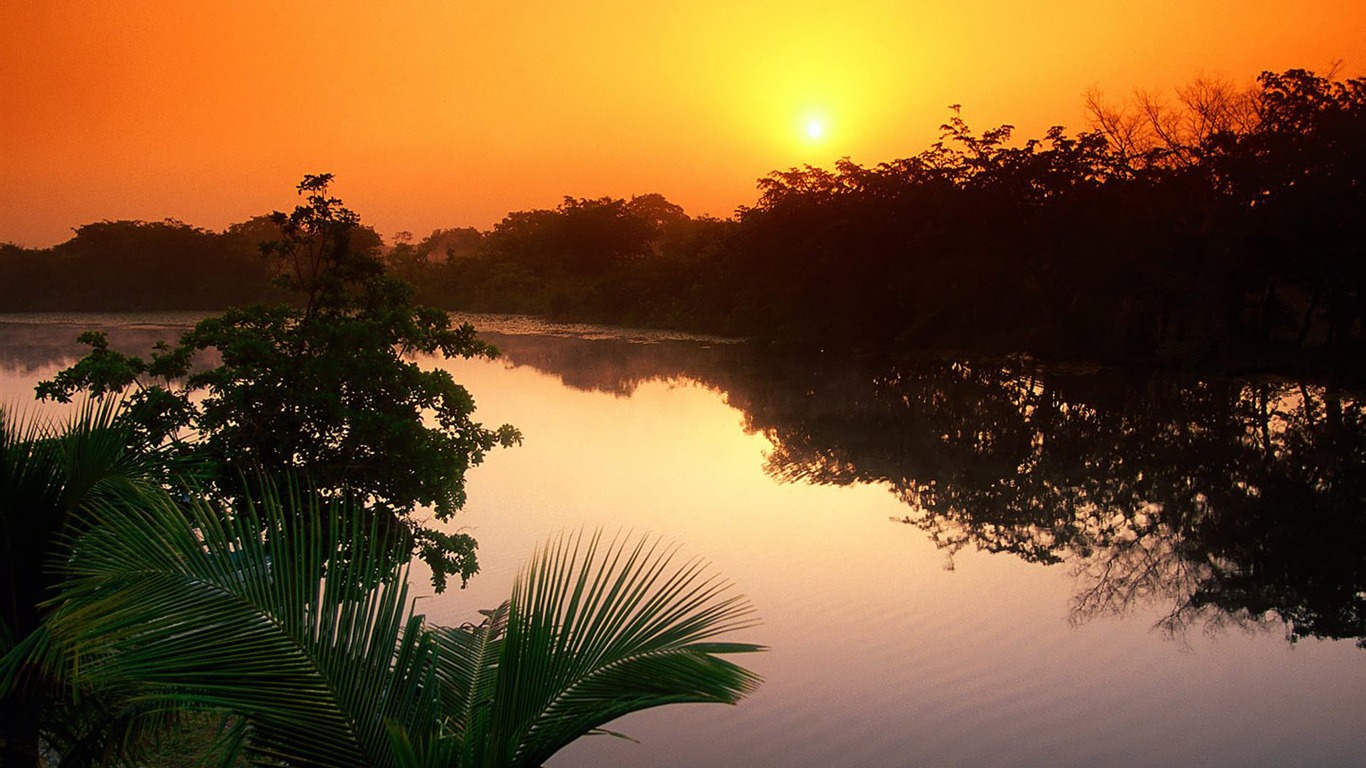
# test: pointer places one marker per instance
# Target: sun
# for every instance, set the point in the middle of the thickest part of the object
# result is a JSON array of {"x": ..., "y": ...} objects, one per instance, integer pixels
[
  {"x": 813, "y": 129},
  {"x": 809, "y": 130}
]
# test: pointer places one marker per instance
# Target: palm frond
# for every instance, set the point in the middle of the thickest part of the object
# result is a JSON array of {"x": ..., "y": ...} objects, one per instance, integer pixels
[
  {"x": 50, "y": 472},
  {"x": 294, "y": 618},
  {"x": 469, "y": 670},
  {"x": 257, "y": 613},
  {"x": 596, "y": 631}
]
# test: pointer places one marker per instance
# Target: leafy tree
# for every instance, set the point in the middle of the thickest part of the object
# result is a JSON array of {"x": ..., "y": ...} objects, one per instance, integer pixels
[
  {"x": 1300, "y": 183},
  {"x": 324, "y": 387},
  {"x": 656, "y": 211},
  {"x": 444, "y": 245}
]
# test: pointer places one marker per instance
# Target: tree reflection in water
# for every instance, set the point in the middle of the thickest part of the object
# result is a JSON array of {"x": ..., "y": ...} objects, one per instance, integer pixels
[
  {"x": 1236, "y": 501},
  {"x": 1232, "y": 501}
]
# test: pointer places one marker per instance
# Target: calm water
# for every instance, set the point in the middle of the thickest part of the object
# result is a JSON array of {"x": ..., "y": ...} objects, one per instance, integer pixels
[{"x": 956, "y": 565}]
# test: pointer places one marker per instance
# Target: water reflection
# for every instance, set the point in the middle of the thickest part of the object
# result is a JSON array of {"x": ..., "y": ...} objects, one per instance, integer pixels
[
  {"x": 1227, "y": 501},
  {"x": 1232, "y": 502}
]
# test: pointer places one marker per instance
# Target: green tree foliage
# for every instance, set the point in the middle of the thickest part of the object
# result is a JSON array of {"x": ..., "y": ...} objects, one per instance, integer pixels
[
  {"x": 432, "y": 264},
  {"x": 579, "y": 238},
  {"x": 641, "y": 261},
  {"x": 324, "y": 387},
  {"x": 445, "y": 245}
]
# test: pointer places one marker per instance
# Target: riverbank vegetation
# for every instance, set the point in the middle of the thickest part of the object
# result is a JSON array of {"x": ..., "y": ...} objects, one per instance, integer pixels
[
  {"x": 321, "y": 387},
  {"x": 226, "y": 527},
  {"x": 1222, "y": 229},
  {"x": 133, "y": 608}
]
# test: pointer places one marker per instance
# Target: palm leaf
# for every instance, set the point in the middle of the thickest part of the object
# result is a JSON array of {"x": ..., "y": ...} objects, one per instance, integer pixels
[
  {"x": 469, "y": 670},
  {"x": 258, "y": 614},
  {"x": 598, "y": 631},
  {"x": 50, "y": 471},
  {"x": 294, "y": 619}
]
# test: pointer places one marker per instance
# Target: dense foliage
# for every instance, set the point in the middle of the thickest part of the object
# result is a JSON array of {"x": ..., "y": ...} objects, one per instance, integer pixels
[
  {"x": 51, "y": 478},
  {"x": 324, "y": 388}
]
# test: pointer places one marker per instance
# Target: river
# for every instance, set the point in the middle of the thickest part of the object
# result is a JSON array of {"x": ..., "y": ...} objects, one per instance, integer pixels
[{"x": 955, "y": 564}]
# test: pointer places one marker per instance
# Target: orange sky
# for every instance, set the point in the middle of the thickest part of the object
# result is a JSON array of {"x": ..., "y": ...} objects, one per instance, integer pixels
[{"x": 451, "y": 113}]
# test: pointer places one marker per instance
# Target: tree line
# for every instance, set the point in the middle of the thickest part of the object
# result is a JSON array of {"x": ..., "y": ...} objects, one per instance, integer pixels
[{"x": 1225, "y": 227}]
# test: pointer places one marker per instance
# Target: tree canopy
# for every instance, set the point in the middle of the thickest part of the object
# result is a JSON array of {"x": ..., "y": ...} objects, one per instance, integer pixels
[{"x": 324, "y": 387}]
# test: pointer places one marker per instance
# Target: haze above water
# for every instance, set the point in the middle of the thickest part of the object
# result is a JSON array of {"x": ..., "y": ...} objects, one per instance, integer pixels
[{"x": 955, "y": 564}]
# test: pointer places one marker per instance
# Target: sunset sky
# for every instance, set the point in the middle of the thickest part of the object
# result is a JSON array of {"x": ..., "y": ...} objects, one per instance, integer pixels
[{"x": 439, "y": 114}]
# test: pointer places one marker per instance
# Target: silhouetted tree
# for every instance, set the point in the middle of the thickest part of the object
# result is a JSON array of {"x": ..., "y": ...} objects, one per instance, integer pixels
[
  {"x": 127, "y": 265},
  {"x": 323, "y": 388}
]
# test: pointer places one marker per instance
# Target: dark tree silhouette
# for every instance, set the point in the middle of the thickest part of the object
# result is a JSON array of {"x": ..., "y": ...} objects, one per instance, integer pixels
[
  {"x": 322, "y": 388},
  {"x": 1222, "y": 230}
]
